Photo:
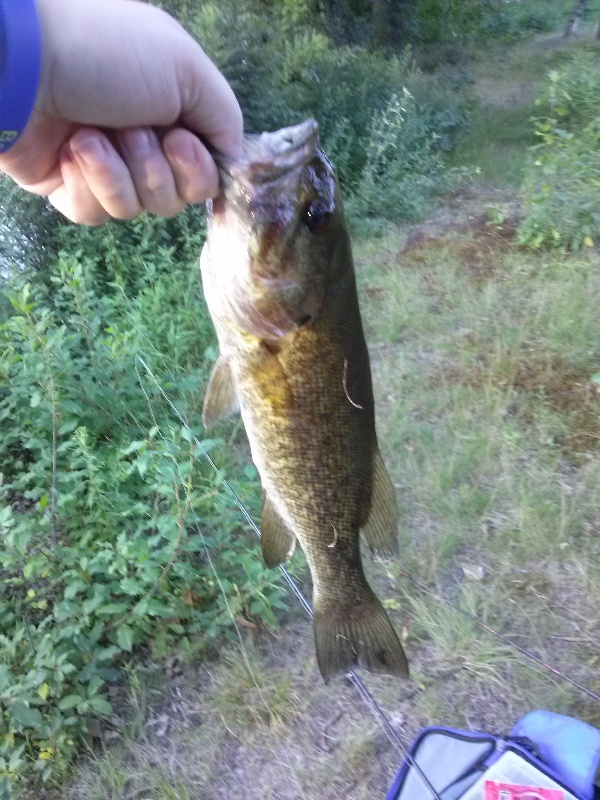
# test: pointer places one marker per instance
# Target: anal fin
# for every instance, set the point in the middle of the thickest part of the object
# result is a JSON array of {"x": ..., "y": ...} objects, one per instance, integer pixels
[
  {"x": 277, "y": 541},
  {"x": 221, "y": 400},
  {"x": 381, "y": 528}
]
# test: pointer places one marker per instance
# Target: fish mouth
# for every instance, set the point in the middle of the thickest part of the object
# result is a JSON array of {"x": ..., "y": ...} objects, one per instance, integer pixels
[{"x": 267, "y": 157}]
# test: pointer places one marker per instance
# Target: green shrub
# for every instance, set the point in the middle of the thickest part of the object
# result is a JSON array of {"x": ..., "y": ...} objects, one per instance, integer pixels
[
  {"x": 403, "y": 168},
  {"x": 562, "y": 177},
  {"x": 446, "y": 20},
  {"x": 535, "y": 16},
  {"x": 561, "y": 189},
  {"x": 572, "y": 92},
  {"x": 114, "y": 534},
  {"x": 285, "y": 70}
]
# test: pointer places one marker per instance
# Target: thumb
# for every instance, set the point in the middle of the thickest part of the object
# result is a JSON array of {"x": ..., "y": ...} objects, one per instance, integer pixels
[{"x": 209, "y": 106}]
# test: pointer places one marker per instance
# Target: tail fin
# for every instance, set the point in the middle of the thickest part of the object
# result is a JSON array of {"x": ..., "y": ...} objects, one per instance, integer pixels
[{"x": 360, "y": 635}]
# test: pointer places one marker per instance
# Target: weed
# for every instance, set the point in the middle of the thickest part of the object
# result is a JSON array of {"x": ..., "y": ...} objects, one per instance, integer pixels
[{"x": 247, "y": 695}]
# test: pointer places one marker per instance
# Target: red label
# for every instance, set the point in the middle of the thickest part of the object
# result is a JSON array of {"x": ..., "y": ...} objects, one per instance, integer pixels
[{"x": 510, "y": 791}]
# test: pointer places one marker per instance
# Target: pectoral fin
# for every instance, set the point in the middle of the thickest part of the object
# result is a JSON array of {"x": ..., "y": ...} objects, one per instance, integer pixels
[
  {"x": 221, "y": 399},
  {"x": 381, "y": 528},
  {"x": 277, "y": 541}
]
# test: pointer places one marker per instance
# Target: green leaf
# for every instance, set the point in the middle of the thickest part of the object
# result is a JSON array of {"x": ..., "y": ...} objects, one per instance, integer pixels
[
  {"x": 36, "y": 399},
  {"x": 187, "y": 434},
  {"x": 125, "y": 637},
  {"x": 142, "y": 463},
  {"x": 140, "y": 444},
  {"x": 69, "y": 701},
  {"x": 21, "y": 714},
  {"x": 94, "y": 685},
  {"x": 74, "y": 588},
  {"x": 159, "y": 609},
  {"x": 68, "y": 426},
  {"x": 100, "y": 705},
  {"x": 107, "y": 653},
  {"x": 131, "y": 586},
  {"x": 15, "y": 759}
]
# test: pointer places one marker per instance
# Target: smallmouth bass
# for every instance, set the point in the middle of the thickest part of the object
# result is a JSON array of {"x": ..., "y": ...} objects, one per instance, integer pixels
[{"x": 279, "y": 282}]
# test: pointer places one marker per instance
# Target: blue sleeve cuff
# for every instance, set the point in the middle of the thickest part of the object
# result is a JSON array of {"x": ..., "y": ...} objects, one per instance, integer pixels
[{"x": 20, "y": 65}]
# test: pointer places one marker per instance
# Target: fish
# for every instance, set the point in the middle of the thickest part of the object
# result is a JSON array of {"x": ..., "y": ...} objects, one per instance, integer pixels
[{"x": 280, "y": 286}]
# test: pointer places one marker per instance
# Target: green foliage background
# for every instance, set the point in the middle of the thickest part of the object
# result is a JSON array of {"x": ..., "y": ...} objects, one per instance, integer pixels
[
  {"x": 562, "y": 178},
  {"x": 285, "y": 68},
  {"x": 114, "y": 531}
]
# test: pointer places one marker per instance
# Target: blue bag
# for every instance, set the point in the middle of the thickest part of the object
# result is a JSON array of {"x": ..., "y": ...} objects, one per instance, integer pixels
[
  {"x": 570, "y": 747},
  {"x": 561, "y": 752}
]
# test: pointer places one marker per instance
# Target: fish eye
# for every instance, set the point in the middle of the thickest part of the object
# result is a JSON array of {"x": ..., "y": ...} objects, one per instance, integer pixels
[{"x": 317, "y": 216}]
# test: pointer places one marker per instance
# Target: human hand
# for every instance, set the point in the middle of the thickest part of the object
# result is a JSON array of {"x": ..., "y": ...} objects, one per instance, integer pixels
[{"x": 123, "y": 92}]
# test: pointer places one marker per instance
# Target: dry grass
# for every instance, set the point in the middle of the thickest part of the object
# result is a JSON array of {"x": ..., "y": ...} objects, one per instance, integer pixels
[
  {"x": 491, "y": 423},
  {"x": 219, "y": 730}
]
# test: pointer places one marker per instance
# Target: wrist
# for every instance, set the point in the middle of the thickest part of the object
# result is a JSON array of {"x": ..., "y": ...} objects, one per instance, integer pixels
[{"x": 20, "y": 40}]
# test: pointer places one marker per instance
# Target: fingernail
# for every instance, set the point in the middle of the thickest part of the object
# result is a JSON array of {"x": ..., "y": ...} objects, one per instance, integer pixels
[
  {"x": 232, "y": 149},
  {"x": 138, "y": 142},
  {"x": 184, "y": 153},
  {"x": 90, "y": 149}
]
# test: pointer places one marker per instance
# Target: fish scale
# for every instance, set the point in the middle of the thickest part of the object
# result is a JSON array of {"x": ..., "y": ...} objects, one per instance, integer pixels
[{"x": 293, "y": 360}]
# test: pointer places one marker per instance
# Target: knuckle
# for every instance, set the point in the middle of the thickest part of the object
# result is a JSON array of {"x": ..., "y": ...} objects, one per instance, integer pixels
[{"x": 120, "y": 203}]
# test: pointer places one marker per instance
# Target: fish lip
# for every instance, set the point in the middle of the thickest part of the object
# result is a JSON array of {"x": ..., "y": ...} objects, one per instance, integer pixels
[{"x": 267, "y": 157}]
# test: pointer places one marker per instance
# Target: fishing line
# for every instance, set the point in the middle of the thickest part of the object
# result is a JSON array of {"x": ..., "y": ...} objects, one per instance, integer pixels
[
  {"x": 351, "y": 675},
  {"x": 527, "y": 653},
  {"x": 209, "y": 559},
  {"x": 574, "y": 615}
]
